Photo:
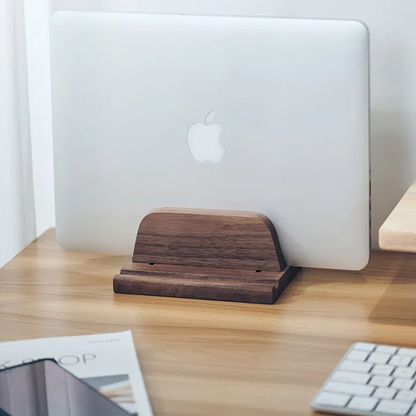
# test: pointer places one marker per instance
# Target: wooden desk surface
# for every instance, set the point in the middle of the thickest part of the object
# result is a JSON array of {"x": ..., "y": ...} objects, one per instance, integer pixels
[
  {"x": 215, "y": 358},
  {"x": 398, "y": 233}
]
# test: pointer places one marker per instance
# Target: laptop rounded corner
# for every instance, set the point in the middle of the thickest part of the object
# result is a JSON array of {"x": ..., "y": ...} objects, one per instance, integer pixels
[
  {"x": 61, "y": 241},
  {"x": 365, "y": 29},
  {"x": 362, "y": 262},
  {"x": 56, "y": 15}
]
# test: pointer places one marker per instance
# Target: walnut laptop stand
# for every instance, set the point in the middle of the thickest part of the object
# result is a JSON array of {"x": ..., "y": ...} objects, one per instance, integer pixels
[{"x": 204, "y": 254}]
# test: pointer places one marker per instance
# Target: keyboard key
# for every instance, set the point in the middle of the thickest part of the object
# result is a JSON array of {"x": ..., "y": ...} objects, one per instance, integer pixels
[
  {"x": 386, "y": 349},
  {"x": 348, "y": 388},
  {"x": 392, "y": 407},
  {"x": 413, "y": 365},
  {"x": 411, "y": 352},
  {"x": 357, "y": 367},
  {"x": 364, "y": 346},
  {"x": 381, "y": 381},
  {"x": 358, "y": 356},
  {"x": 406, "y": 396},
  {"x": 378, "y": 358},
  {"x": 384, "y": 393},
  {"x": 404, "y": 372},
  {"x": 400, "y": 361},
  {"x": 365, "y": 404},
  {"x": 402, "y": 384},
  {"x": 413, "y": 411},
  {"x": 382, "y": 370},
  {"x": 350, "y": 377},
  {"x": 333, "y": 399}
]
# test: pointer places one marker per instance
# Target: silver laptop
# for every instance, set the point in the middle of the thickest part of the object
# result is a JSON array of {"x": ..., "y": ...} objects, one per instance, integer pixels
[{"x": 251, "y": 114}]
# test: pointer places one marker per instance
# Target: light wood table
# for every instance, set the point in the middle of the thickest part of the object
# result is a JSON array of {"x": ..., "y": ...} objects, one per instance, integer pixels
[{"x": 215, "y": 358}]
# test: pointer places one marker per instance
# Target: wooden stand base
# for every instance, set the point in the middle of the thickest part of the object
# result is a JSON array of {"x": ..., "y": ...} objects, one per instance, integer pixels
[{"x": 216, "y": 255}]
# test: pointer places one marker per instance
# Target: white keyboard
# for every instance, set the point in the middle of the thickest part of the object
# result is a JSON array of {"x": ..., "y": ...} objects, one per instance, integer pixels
[{"x": 371, "y": 380}]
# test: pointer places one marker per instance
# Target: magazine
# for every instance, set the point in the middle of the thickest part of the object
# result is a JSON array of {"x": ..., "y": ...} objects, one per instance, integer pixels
[{"x": 107, "y": 362}]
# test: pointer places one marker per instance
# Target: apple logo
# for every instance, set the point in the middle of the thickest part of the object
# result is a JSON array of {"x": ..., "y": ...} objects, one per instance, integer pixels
[{"x": 204, "y": 140}]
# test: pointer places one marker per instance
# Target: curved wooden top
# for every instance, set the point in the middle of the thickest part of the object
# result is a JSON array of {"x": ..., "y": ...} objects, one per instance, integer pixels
[{"x": 209, "y": 238}]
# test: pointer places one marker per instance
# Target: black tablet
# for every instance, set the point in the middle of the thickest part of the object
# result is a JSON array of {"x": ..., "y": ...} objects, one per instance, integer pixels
[{"x": 44, "y": 388}]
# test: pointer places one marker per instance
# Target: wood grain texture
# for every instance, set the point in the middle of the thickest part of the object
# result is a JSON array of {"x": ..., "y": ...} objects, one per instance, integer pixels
[
  {"x": 227, "y": 240},
  {"x": 203, "y": 283},
  {"x": 206, "y": 254},
  {"x": 204, "y": 358},
  {"x": 398, "y": 233}
]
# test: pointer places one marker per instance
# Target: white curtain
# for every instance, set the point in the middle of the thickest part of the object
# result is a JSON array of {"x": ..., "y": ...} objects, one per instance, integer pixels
[{"x": 17, "y": 206}]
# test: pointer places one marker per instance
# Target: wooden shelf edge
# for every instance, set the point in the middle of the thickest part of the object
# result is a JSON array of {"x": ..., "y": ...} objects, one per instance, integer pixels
[{"x": 398, "y": 232}]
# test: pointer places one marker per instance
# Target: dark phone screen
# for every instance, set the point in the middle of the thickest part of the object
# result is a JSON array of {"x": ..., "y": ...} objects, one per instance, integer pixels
[{"x": 43, "y": 388}]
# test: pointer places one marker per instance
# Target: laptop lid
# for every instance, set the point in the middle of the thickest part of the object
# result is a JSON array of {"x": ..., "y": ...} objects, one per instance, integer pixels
[{"x": 251, "y": 114}]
